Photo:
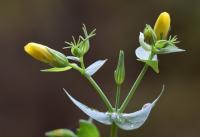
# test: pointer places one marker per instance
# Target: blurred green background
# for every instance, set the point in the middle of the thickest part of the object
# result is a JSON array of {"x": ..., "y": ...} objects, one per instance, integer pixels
[{"x": 32, "y": 102}]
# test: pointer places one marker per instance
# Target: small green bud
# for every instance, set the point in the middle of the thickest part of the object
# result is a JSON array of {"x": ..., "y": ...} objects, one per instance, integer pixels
[
  {"x": 81, "y": 47},
  {"x": 119, "y": 73},
  {"x": 172, "y": 41},
  {"x": 85, "y": 43},
  {"x": 162, "y": 44},
  {"x": 84, "y": 46},
  {"x": 75, "y": 50},
  {"x": 149, "y": 35}
]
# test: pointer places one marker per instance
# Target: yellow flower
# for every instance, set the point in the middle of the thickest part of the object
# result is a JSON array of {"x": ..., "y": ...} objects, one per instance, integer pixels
[
  {"x": 46, "y": 54},
  {"x": 162, "y": 25}
]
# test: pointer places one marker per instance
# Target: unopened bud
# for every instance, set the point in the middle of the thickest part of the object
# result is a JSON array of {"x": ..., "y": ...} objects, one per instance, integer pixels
[
  {"x": 149, "y": 35},
  {"x": 46, "y": 55},
  {"x": 76, "y": 51},
  {"x": 119, "y": 73},
  {"x": 84, "y": 47},
  {"x": 162, "y": 25}
]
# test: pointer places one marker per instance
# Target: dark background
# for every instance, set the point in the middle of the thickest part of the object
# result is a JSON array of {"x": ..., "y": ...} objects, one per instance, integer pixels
[{"x": 32, "y": 102}]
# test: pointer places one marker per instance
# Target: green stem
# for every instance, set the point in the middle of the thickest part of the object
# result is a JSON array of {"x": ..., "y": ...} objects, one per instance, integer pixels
[
  {"x": 135, "y": 85},
  {"x": 117, "y": 99},
  {"x": 76, "y": 67},
  {"x": 100, "y": 92},
  {"x": 114, "y": 129},
  {"x": 82, "y": 63},
  {"x": 94, "y": 84},
  {"x": 133, "y": 89}
]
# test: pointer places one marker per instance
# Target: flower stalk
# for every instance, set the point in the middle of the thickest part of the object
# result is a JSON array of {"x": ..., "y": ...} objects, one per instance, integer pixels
[{"x": 100, "y": 93}]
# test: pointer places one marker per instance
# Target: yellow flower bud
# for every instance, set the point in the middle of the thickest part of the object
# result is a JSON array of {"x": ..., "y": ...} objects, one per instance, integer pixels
[
  {"x": 46, "y": 55},
  {"x": 162, "y": 25}
]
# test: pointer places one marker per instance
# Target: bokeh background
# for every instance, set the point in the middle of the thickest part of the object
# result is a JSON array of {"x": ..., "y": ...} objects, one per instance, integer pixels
[{"x": 32, "y": 102}]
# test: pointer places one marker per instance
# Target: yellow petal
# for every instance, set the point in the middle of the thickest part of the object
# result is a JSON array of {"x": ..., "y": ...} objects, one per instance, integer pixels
[
  {"x": 162, "y": 25},
  {"x": 39, "y": 52}
]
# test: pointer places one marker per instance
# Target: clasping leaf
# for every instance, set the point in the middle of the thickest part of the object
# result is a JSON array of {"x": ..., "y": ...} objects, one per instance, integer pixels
[
  {"x": 125, "y": 121},
  {"x": 93, "y": 68},
  {"x": 170, "y": 49},
  {"x": 101, "y": 117}
]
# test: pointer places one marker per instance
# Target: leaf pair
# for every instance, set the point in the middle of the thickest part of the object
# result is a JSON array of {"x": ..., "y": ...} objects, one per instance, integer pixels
[{"x": 125, "y": 121}]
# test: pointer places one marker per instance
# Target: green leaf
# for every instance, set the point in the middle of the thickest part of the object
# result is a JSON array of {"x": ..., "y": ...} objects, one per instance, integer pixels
[
  {"x": 57, "y": 69},
  {"x": 60, "y": 133},
  {"x": 87, "y": 129},
  {"x": 152, "y": 63}
]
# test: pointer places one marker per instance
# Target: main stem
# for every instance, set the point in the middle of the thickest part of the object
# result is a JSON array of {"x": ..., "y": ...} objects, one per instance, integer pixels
[
  {"x": 114, "y": 128},
  {"x": 113, "y": 132}
]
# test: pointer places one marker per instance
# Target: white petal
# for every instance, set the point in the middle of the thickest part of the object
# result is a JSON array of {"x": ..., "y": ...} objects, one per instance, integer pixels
[
  {"x": 141, "y": 53},
  {"x": 143, "y": 43}
]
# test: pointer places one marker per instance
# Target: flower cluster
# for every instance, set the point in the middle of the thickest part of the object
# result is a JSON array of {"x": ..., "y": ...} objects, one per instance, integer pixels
[
  {"x": 156, "y": 41},
  {"x": 153, "y": 41}
]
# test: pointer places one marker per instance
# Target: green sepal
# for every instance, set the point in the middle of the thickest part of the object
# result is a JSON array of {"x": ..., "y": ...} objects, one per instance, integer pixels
[
  {"x": 60, "y": 133},
  {"x": 87, "y": 129},
  {"x": 60, "y": 60},
  {"x": 152, "y": 63},
  {"x": 57, "y": 69},
  {"x": 149, "y": 35}
]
